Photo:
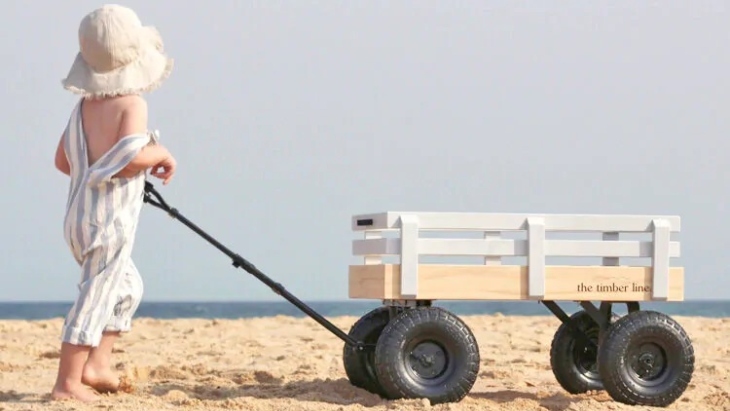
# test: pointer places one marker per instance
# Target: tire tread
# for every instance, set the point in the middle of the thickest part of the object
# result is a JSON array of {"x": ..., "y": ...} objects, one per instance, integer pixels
[
  {"x": 392, "y": 380},
  {"x": 355, "y": 370},
  {"x": 562, "y": 367},
  {"x": 617, "y": 339}
]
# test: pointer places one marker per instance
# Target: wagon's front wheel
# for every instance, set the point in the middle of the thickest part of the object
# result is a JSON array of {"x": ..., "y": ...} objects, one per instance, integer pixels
[
  {"x": 646, "y": 359},
  {"x": 427, "y": 352},
  {"x": 359, "y": 365}
]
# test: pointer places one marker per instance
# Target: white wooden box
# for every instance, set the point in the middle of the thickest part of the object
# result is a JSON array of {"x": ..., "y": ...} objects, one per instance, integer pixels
[{"x": 410, "y": 278}]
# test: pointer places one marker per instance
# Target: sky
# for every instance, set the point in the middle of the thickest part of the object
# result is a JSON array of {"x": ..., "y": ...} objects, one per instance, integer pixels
[{"x": 287, "y": 118}]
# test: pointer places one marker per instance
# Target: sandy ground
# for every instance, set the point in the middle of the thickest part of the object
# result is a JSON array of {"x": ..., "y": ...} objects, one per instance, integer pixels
[{"x": 285, "y": 363}]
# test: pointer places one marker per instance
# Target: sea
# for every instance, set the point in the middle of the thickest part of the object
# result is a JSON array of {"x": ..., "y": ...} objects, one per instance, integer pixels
[{"x": 254, "y": 309}]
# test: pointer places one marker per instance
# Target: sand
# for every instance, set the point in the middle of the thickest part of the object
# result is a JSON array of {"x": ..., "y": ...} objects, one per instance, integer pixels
[{"x": 286, "y": 363}]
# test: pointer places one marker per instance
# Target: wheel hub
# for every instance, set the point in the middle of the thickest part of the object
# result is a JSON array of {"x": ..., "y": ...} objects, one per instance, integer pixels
[
  {"x": 586, "y": 355},
  {"x": 427, "y": 360},
  {"x": 648, "y": 361}
]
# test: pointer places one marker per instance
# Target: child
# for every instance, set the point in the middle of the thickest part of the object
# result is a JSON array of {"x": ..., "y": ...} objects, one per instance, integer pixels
[{"x": 106, "y": 150}]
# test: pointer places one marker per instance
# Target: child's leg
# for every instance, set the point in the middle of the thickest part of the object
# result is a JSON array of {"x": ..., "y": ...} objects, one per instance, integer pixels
[
  {"x": 82, "y": 330},
  {"x": 97, "y": 370},
  {"x": 68, "y": 382}
]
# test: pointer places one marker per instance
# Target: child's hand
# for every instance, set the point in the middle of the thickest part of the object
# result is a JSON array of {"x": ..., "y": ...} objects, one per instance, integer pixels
[{"x": 168, "y": 166}]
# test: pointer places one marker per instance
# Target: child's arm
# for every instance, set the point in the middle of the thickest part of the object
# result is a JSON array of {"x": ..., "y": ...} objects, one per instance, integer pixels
[
  {"x": 61, "y": 160},
  {"x": 149, "y": 156},
  {"x": 134, "y": 120},
  {"x": 136, "y": 153}
]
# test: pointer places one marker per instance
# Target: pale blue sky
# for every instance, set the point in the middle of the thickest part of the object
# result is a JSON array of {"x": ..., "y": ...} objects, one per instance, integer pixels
[{"x": 288, "y": 117}]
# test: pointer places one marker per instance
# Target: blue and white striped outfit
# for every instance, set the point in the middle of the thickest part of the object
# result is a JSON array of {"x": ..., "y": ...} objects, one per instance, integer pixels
[{"x": 99, "y": 228}]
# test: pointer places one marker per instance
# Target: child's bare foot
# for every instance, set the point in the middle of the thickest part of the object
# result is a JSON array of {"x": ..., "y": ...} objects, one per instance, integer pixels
[
  {"x": 73, "y": 391},
  {"x": 103, "y": 380}
]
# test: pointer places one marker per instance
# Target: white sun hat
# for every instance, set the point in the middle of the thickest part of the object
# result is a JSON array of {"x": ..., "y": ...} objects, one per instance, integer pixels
[{"x": 117, "y": 55}]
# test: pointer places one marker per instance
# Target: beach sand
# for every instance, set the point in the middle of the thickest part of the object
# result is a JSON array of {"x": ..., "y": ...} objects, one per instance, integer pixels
[{"x": 285, "y": 363}]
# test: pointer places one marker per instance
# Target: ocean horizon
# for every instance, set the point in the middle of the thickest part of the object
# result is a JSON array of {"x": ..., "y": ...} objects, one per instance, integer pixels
[{"x": 43, "y": 310}]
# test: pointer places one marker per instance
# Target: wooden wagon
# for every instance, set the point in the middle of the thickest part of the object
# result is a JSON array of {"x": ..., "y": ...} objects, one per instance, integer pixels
[{"x": 423, "y": 351}]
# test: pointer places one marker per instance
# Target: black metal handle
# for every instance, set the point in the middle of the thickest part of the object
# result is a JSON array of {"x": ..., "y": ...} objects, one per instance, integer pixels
[
  {"x": 149, "y": 191},
  {"x": 240, "y": 262}
]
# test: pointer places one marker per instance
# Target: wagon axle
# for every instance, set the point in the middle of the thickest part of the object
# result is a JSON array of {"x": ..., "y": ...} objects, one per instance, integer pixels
[{"x": 408, "y": 348}]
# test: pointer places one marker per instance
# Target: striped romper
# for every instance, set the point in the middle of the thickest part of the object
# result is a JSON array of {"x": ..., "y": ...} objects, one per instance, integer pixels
[{"x": 99, "y": 228}]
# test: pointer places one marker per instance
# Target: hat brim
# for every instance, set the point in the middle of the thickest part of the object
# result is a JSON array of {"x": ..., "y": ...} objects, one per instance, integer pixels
[{"x": 144, "y": 74}]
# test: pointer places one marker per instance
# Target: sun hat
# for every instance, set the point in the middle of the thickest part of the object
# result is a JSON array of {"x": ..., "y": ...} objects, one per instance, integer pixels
[{"x": 117, "y": 55}]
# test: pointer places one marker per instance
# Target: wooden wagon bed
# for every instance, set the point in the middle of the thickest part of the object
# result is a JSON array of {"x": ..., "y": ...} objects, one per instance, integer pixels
[{"x": 629, "y": 257}]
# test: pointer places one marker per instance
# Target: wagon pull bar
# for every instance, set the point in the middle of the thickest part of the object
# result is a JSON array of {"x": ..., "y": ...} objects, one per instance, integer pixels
[{"x": 240, "y": 262}]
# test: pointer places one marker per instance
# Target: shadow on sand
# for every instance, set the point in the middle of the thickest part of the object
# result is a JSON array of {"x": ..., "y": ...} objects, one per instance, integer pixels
[
  {"x": 332, "y": 391},
  {"x": 556, "y": 402},
  {"x": 13, "y": 396},
  {"x": 337, "y": 391}
]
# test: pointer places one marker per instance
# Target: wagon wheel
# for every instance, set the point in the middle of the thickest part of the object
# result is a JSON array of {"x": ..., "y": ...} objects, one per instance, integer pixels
[
  {"x": 359, "y": 365},
  {"x": 646, "y": 359},
  {"x": 427, "y": 352},
  {"x": 574, "y": 360}
]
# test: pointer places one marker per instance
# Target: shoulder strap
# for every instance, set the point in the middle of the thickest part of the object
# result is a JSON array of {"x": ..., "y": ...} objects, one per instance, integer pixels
[{"x": 117, "y": 158}]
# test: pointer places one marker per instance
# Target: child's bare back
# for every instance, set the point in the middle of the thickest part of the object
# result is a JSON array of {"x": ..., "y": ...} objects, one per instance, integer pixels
[{"x": 106, "y": 121}]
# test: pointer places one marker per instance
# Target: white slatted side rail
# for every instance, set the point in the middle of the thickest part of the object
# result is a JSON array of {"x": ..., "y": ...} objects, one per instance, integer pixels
[
  {"x": 536, "y": 257},
  {"x": 490, "y": 259},
  {"x": 409, "y": 256},
  {"x": 374, "y": 258},
  {"x": 409, "y": 247},
  {"x": 615, "y": 260},
  {"x": 488, "y": 248},
  {"x": 513, "y": 222},
  {"x": 660, "y": 259}
]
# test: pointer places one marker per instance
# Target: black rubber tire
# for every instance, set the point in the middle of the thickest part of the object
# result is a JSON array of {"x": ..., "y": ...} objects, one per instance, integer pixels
[
  {"x": 664, "y": 340},
  {"x": 453, "y": 344},
  {"x": 360, "y": 365},
  {"x": 574, "y": 365}
]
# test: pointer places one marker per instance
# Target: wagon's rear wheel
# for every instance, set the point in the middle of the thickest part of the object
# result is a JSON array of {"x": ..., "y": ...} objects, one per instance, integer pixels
[
  {"x": 427, "y": 352},
  {"x": 574, "y": 360},
  {"x": 359, "y": 365},
  {"x": 646, "y": 359}
]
